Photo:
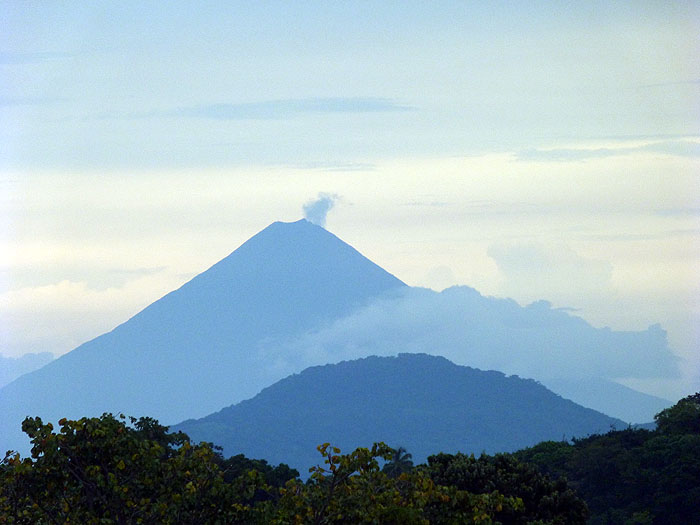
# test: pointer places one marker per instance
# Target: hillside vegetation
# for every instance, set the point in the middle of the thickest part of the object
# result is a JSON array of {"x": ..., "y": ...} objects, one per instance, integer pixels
[
  {"x": 425, "y": 403},
  {"x": 633, "y": 476},
  {"x": 110, "y": 470}
]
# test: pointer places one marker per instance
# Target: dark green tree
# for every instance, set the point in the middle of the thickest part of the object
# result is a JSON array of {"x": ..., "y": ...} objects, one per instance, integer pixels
[
  {"x": 352, "y": 489},
  {"x": 401, "y": 461},
  {"x": 544, "y": 500},
  {"x": 275, "y": 476},
  {"x": 633, "y": 475},
  {"x": 105, "y": 470},
  {"x": 681, "y": 418}
]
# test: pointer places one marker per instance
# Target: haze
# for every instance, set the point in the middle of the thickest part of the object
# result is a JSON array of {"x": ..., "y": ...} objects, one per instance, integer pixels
[{"x": 533, "y": 151}]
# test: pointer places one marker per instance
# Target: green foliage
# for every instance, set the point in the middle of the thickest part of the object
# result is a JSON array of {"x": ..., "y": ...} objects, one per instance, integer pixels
[
  {"x": 401, "y": 461},
  {"x": 107, "y": 470},
  {"x": 544, "y": 500},
  {"x": 102, "y": 470},
  {"x": 681, "y": 418},
  {"x": 113, "y": 470},
  {"x": 238, "y": 465},
  {"x": 633, "y": 476},
  {"x": 352, "y": 489}
]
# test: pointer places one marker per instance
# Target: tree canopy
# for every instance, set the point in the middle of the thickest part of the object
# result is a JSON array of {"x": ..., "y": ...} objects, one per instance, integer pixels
[
  {"x": 401, "y": 461},
  {"x": 633, "y": 476},
  {"x": 105, "y": 470},
  {"x": 118, "y": 470},
  {"x": 113, "y": 469}
]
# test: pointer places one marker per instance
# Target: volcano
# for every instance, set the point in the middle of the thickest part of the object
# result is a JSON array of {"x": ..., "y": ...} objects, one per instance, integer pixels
[{"x": 206, "y": 344}]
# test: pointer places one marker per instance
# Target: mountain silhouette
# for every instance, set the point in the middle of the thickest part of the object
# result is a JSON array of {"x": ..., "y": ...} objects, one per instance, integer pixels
[
  {"x": 424, "y": 403},
  {"x": 197, "y": 348},
  {"x": 13, "y": 367},
  {"x": 609, "y": 397}
]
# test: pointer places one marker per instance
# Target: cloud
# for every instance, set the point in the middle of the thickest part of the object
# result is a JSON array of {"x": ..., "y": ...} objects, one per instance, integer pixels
[
  {"x": 315, "y": 211},
  {"x": 286, "y": 108},
  {"x": 669, "y": 234},
  {"x": 58, "y": 317},
  {"x": 95, "y": 276},
  {"x": 681, "y": 212},
  {"x": 265, "y": 110},
  {"x": 678, "y": 148},
  {"x": 535, "y": 341},
  {"x": 6, "y": 101},
  {"x": 427, "y": 204},
  {"x": 439, "y": 278},
  {"x": 335, "y": 166}
]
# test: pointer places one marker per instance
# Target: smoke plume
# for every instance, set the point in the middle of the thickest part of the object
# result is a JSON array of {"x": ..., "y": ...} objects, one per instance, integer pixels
[{"x": 315, "y": 211}]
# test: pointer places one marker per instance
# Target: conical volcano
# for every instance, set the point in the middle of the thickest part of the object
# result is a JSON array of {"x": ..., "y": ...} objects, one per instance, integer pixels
[{"x": 209, "y": 343}]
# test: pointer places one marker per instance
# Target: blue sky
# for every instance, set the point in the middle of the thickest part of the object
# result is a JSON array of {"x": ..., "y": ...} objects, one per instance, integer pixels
[
  {"x": 131, "y": 85},
  {"x": 467, "y": 143}
]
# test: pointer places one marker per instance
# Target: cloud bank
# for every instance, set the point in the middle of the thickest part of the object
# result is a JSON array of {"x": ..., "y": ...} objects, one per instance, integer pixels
[{"x": 535, "y": 341}]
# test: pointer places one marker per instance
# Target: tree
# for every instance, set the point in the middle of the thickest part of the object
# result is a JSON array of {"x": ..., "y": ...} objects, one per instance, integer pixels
[
  {"x": 401, "y": 461},
  {"x": 103, "y": 470},
  {"x": 353, "y": 489},
  {"x": 110, "y": 470},
  {"x": 118, "y": 470},
  {"x": 681, "y": 418},
  {"x": 543, "y": 500},
  {"x": 633, "y": 475},
  {"x": 275, "y": 476}
]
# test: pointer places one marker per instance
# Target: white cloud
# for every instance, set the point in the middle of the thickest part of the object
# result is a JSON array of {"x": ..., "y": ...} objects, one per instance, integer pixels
[
  {"x": 58, "y": 317},
  {"x": 487, "y": 333}
]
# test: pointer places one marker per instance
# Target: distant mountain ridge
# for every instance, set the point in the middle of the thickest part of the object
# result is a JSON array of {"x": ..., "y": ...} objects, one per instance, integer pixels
[
  {"x": 424, "y": 403},
  {"x": 13, "y": 367},
  {"x": 610, "y": 398}
]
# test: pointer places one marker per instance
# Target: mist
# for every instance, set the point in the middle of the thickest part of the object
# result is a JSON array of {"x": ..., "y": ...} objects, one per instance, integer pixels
[{"x": 533, "y": 341}]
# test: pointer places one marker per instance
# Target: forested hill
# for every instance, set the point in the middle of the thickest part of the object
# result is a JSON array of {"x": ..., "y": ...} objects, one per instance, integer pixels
[{"x": 423, "y": 403}]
